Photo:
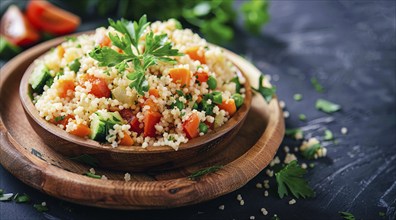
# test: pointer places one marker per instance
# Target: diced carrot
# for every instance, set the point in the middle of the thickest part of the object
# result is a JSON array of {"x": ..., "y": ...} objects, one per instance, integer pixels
[
  {"x": 193, "y": 54},
  {"x": 154, "y": 92},
  {"x": 64, "y": 86},
  {"x": 81, "y": 130},
  {"x": 60, "y": 51},
  {"x": 202, "y": 77},
  {"x": 150, "y": 120},
  {"x": 152, "y": 104},
  {"x": 199, "y": 99},
  {"x": 126, "y": 140},
  {"x": 99, "y": 86},
  {"x": 228, "y": 106},
  {"x": 63, "y": 120},
  {"x": 191, "y": 125},
  {"x": 105, "y": 41},
  {"x": 180, "y": 76}
]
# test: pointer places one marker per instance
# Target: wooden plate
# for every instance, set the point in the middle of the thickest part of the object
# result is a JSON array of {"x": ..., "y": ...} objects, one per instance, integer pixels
[{"x": 24, "y": 154}]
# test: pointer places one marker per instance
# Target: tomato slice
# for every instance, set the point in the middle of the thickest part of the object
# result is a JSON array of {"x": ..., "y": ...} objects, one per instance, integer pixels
[
  {"x": 99, "y": 86},
  {"x": 16, "y": 28},
  {"x": 47, "y": 17}
]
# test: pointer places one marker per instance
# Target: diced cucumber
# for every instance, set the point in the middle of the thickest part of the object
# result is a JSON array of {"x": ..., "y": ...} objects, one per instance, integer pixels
[
  {"x": 7, "y": 49},
  {"x": 98, "y": 129},
  {"x": 39, "y": 78}
]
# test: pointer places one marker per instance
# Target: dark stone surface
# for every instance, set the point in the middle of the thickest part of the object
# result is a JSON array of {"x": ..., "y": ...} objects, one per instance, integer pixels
[{"x": 351, "y": 48}]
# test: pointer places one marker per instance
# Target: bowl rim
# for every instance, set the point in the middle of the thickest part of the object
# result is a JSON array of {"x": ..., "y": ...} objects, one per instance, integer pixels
[{"x": 216, "y": 133}]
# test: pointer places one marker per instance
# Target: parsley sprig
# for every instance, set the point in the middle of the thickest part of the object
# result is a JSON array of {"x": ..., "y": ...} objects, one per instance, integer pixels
[
  {"x": 157, "y": 48},
  {"x": 267, "y": 92},
  {"x": 290, "y": 178}
]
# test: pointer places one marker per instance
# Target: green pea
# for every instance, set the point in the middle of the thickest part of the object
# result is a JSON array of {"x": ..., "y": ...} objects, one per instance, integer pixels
[
  {"x": 217, "y": 97},
  {"x": 203, "y": 128},
  {"x": 178, "y": 104},
  {"x": 238, "y": 99},
  {"x": 212, "y": 82}
]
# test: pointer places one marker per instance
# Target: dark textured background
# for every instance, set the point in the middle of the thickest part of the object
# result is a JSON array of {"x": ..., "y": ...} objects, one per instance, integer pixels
[{"x": 351, "y": 48}]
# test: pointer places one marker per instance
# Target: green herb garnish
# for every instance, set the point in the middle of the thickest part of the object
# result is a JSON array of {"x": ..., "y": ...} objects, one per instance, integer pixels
[
  {"x": 290, "y": 178},
  {"x": 327, "y": 106},
  {"x": 75, "y": 65},
  {"x": 267, "y": 92},
  {"x": 21, "y": 198},
  {"x": 347, "y": 215},
  {"x": 40, "y": 207},
  {"x": 302, "y": 117},
  {"x": 71, "y": 38},
  {"x": 317, "y": 86},
  {"x": 310, "y": 151},
  {"x": 157, "y": 48},
  {"x": 89, "y": 174},
  {"x": 296, "y": 133},
  {"x": 59, "y": 118},
  {"x": 297, "y": 97},
  {"x": 328, "y": 135},
  {"x": 198, "y": 174}
]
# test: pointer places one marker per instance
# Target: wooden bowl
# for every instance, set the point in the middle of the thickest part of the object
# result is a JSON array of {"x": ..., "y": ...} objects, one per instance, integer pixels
[{"x": 134, "y": 158}]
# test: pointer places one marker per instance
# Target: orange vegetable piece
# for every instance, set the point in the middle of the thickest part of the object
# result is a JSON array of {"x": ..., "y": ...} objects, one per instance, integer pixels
[
  {"x": 99, "y": 86},
  {"x": 64, "y": 121},
  {"x": 199, "y": 99},
  {"x": 154, "y": 92},
  {"x": 81, "y": 130},
  {"x": 180, "y": 76},
  {"x": 202, "y": 77},
  {"x": 191, "y": 125},
  {"x": 105, "y": 41},
  {"x": 193, "y": 54},
  {"x": 64, "y": 86},
  {"x": 126, "y": 140},
  {"x": 152, "y": 104},
  {"x": 150, "y": 120},
  {"x": 228, "y": 106},
  {"x": 60, "y": 51}
]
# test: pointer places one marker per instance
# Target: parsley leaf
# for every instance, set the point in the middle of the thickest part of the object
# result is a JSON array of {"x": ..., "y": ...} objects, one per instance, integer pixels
[
  {"x": 317, "y": 86},
  {"x": 347, "y": 215},
  {"x": 198, "y": 174},
  {"x": 255, "y": 14},
  {"x": 267, "y": 92},
  {"x": 327, "y": 106},
  {"x": 296, "y": 133},
  {"x": 21, "y": 198},
  {"x": 40, "y": 207},
  {"x": 290, "y": 178},
  {"x": 328, "y": 135},
  {"x": 157, "y": 48}
]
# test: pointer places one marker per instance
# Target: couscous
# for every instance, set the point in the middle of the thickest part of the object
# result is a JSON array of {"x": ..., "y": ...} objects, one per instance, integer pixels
[{"x": 137, "y": 84}]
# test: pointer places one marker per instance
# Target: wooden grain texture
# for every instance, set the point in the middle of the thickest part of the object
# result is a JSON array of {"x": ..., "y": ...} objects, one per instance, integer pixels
[{"x": 28, "y": 158}]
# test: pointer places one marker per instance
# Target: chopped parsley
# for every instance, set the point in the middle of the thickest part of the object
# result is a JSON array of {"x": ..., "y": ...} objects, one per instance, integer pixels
[
  {"x": 71, "y": 38},
  {"x": 157, "y": 48},
  {"x": 347, "y": 215},
  {"x": 296, "y": 133},
  {"x": 59, "y": 118},
  {"x": 198, "y": 174},
  {"x": 302, "y": 117},
  {"x": 40, "y": 207},
  {"x": 316, "y": 85},
  {"x": 21, "y": 198},
  {"x": 297, "y": 97},
  {"x": 327, "y": 106},
  {"x": 328, "y": 135},
  {"x": 290, "y": 178},
  {"x": 267, "y": 92},
  {"x": 89, "y": 174},
  {"x": 310, "y": 151}
]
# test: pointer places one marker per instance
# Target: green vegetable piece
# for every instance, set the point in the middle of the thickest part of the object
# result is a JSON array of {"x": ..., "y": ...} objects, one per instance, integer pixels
[
  {"x": 298, "y": 97},
  {"x": 21, "y": 198},
  {"x": 296, "y": 133},
  {"x": 217, "y": 97},
  {"x": 290, "y": 178},
  {"x": 255, "y": 14},
  {"x": 310, "y": 151},
  {"x": 178, "y": 104},
  {"x": 203, "y": 128},
  {"x": 238, "y": 98},
  {"x": 1, "y": 192},
  {"x": 59, "y": 118},
  {"x": 75, "y": 65},
  {"x": 302, "y": 117},
  {"x": 266, "y": 92},
  {"x": 347, "y": 215},
  {"x": 328, "y": 135},
  {"x": 179, "y": 92},
  {"x": 5, "y": 197},
  {"x": 198, "y": 174},
  {"x": 195, "y": 105},
  {"x": 316, "y": 84},
  {"x": 212, "y": 82},
  {"x": 7, "y": 49},
  {"x": 71, "y": 38},
  {"x": 89, "y": 174},
  {"x": 327, "y": 106},
  {"x": 39, "y": 79},
  {"x": 40, "y": 207},
  {"x": 237, "y": 84}
]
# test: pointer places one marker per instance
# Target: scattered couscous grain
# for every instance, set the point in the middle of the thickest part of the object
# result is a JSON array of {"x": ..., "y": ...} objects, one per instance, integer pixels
[
  {"x": 292, "y": 202},
  {"x": 344, "y": 130},
  {"x": 221, "y": 207}
]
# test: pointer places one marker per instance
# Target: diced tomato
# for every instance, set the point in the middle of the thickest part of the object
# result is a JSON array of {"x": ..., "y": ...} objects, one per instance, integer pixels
[
  {"x": 63, "y": 120},
  {"x": 154, "y": 92},
  {"x": 128, "y": 116},
  {"x": 105, "y": 41},
  {"x": 210, "y": 125},
  {"x": 193, "y": 54},
  {"x": 228, "y": 106},
  {"x": 49, "y": 18},
  {"x": 15, "y": 27},
  {"x": 180, "y": 76},
  {"x": 202, "y": 77},
  {"x": 64, "y": 85},
  {"x": 81, "y": 130},
  {"x": 150, "y": 120},
  {"x": 99, "y": 86},
  {"x": 191, "y": 125},
  {"x": 126, "y": 140}
]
